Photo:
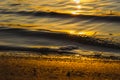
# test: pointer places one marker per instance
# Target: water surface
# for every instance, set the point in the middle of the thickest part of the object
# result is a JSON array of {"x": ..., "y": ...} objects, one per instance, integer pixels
[{"x": 43, "y": 23}]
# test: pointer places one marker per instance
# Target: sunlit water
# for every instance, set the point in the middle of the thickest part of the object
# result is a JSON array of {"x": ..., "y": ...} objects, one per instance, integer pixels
[{"x": 31, "y": 16}]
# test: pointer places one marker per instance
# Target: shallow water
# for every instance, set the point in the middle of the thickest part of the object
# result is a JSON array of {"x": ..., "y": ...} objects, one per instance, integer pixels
[{"x": 57, "y": 23}]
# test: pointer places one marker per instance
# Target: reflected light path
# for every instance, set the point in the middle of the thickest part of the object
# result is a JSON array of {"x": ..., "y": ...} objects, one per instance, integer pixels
[{"x": 77, "y": 7}]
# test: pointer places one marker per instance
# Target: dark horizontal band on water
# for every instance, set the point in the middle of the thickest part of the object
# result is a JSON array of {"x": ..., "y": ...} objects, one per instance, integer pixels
[
  {"x": 45, "y": 51},
  {"x": 64, "y": 15}
]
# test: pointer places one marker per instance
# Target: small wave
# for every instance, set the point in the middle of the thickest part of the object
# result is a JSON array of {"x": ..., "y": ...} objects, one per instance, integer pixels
[
  {"x": 110, "y": 18},
  {"x": 64, "y": 50},
  {"x": 100, "y": 56},
  {"x": 15, "y": 4},
  {"x": 43, "y": 50},
  {"x": 80, "y": 39}
]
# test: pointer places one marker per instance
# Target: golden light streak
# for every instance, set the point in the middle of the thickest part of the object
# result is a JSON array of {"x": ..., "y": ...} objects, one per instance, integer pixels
[{"x": 88, "y": 33}]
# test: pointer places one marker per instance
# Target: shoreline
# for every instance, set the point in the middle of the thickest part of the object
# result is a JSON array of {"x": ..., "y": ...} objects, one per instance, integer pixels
[{"x": 58, "y": 68}]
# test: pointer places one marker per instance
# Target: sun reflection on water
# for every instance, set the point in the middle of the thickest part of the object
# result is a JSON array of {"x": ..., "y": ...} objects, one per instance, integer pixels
[
  {"x": 75, "y": 12},
  {"x": 77, "y": 1},
  {"x": 80, "y": 8},
  {"x": 77, "y": 7},
  {"x": 88, "y": 33}
]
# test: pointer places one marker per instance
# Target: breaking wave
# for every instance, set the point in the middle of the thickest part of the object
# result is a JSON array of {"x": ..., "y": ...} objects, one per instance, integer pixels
[{"x": 80, "y": 39}]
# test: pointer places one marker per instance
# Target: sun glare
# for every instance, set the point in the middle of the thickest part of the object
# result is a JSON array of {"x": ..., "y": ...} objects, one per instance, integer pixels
[
  {"x": 77, "y": 1},
  {"x": 78, "y": 7},
  {"x": 74, "y": 13},
  {"x": 72, "y": 32},
  {"x": 81, "y": 33}
]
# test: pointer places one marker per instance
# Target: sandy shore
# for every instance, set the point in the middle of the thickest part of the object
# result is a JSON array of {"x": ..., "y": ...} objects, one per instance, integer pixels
[{"x": 58, "y": 68}]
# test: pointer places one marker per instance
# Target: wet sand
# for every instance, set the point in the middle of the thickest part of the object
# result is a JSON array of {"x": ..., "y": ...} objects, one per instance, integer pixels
[{"x": 57, "y": 68}]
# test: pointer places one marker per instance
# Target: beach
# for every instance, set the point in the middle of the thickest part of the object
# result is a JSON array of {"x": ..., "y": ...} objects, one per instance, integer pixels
[{"x": 49, "y": 67}]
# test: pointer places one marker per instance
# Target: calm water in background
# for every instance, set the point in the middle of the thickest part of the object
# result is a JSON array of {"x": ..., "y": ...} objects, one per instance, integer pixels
[{"x": 48, "y": 16}]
